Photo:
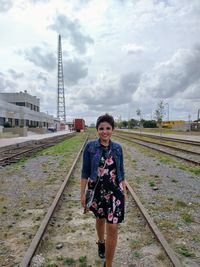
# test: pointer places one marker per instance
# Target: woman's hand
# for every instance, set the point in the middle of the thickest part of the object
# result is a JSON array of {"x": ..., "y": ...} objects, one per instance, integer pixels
[
  {"x": 83, "y": 185},
  {"x": 83, "y": 200}
]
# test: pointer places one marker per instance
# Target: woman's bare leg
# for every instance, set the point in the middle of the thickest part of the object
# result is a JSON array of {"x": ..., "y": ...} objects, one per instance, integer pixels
[
  {"x": 111, "y": 242},
  {"x": 100, "y": 227}
]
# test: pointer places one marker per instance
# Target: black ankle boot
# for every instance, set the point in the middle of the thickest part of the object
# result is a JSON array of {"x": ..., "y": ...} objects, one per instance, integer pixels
[{"x": 101, "y": 249}]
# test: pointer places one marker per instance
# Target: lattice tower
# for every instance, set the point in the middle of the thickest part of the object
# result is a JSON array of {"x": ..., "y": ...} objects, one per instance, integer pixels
[{"x": 61, "y": 91}]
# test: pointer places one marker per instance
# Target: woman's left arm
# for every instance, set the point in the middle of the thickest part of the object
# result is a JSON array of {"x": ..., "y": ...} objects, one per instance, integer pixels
[{"x": 122, "y": 173}]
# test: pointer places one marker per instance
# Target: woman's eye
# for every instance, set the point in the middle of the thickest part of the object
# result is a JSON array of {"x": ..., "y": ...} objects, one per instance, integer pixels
[{"x": 107, "y": 128}]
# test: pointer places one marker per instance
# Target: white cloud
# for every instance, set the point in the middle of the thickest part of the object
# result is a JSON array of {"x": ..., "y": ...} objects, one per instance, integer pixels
[
  {"x": 132, "y": 49},
  {"x": 117, "y": 55}
]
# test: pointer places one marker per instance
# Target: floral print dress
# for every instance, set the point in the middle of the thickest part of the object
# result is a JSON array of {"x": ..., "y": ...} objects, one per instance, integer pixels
[{"x": 108, "y": 199}]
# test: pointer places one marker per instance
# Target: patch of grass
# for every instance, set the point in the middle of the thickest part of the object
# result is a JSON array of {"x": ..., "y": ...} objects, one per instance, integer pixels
[
  {"x": 60, "y": 258},
  {"x": 166, "y": 223},
  {"x": 137, "y": 254},
  {"x": 166, "y": 160},
  {"x": 181, "y": 249},
  {"x": 196, "y": 238},
  {"x": 195, "y": 170},
  {"x": 180, "y": 204},
  {"x": 2, "y": 198},
  {"x": 187, "y": 218},
  {"x": 151, "y": 183},
  {"x": 135, "y": 244},
  {"x": 173, "y": 180},
  {"x": 83, "y": 261},
  {"x": 69, "y": 261}
]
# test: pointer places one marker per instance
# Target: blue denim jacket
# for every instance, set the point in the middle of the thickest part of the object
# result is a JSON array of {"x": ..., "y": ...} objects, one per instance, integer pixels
[{"x": 91, "y": 157}]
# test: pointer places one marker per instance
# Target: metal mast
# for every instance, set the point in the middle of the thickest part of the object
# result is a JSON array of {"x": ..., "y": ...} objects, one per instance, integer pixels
[{"x": 61, "y": 92}]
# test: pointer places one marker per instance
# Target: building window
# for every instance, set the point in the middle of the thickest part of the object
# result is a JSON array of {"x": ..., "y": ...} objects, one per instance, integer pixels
[
  {"x": 22, "y": 104},
  {"x": 2, "y": 121},
  {"x": 16, "y": 122}
]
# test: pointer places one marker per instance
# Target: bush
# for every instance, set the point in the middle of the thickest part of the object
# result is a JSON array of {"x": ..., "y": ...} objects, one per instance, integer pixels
[{"x": 7, "y": 125}]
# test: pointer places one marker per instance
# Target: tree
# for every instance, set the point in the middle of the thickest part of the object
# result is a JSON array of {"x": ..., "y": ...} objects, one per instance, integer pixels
[
  {"x": 149, "y": 124},
  {"x": 160, "y": 112},
  {"x": 132, "y": 123}
]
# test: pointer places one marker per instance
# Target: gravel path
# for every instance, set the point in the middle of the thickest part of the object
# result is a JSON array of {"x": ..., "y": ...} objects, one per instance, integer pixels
[
  {"x": 27, "y": 190},
  {"x": 71, "y": 237},
  {"x": 171, "y": 196}
]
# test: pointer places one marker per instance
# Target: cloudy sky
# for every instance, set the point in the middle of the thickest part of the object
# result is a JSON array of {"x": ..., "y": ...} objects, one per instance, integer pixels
[{"x": 118, "y": 55}]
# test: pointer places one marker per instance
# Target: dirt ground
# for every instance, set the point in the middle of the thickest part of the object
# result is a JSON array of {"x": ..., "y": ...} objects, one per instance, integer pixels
[{"x": 167, "y": 188}]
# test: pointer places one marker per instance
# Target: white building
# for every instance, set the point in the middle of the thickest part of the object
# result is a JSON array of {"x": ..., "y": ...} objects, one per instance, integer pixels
[{"x": 22, "y": 109}]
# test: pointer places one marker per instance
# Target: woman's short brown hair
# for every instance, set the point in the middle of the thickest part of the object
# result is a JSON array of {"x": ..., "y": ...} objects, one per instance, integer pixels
[{"x": 105, "y": 118}]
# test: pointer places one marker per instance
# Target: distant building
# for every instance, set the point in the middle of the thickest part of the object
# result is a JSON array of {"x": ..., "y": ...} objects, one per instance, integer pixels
[
  {"x": 22, "y": 109},
  {"x": 22, "y": 99}
]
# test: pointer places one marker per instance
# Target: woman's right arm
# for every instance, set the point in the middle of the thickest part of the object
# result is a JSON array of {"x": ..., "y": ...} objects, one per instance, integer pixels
[
  {"x": 82, "y": 191},
  {"x": 85, "y": 174}
]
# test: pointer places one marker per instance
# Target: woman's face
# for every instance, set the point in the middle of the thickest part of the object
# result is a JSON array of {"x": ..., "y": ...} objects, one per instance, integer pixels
[{"x": 104, "y": 131}]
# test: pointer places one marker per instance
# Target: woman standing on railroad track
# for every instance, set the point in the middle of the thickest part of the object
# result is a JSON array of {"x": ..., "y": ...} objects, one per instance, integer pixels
[{"x": 103, "y": 170}]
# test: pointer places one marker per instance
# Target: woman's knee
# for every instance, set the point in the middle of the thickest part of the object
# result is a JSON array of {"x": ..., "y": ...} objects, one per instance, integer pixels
[{"x": 111, "y": 228}]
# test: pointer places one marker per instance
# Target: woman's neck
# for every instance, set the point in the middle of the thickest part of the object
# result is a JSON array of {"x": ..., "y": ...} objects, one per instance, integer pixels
[{"x": 105, "y": 143}]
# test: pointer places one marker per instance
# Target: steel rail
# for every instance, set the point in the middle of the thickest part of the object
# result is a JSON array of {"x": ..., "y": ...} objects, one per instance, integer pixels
[
  {"x": 165, "y": 145},
  {"x": 159, "y": 150},
  {"x": 168, "y": 250},
  {"x": 171, "y": 139},
  {"x": 38, "y": 146},
  {"x": 38, "y": 237}
]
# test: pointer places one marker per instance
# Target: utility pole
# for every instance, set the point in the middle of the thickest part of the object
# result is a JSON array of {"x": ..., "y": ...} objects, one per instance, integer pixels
[{"x": 61, "y": 91}]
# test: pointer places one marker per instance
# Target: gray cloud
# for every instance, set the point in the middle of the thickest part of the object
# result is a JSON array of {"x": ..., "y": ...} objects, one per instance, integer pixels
[
  {"x": 71, "y": 29},
  {"x": 41, "y": 58},
  {"x": 105, "y": 96},
  {"x": 173, "y": 76},
  {"x": 39, "y": 1},
  {"x": 7, "y": 85},
  {"x": 15, "y": 75},
  {"x": 6, "y": 5},
  {"x": 74, "y": 70},
  {"x": 42, "y": 76}
]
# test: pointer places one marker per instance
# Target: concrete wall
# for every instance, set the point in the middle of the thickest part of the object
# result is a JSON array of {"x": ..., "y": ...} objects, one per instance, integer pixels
[
  {"x": 38, "y": 130},
  {"x": 19, "y": 131},
  {"x": 182, "y": 127}
]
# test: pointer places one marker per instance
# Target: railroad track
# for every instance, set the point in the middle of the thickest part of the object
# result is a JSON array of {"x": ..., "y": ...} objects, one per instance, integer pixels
[
  {"x": 183, "y": 154},
  {"x": 49, "y": 224},
  {"x": 13, "y": 154},
  {"x": 171, "y": 139}
]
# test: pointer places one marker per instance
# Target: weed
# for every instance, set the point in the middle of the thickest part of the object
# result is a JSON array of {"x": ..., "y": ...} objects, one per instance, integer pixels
[
  {"x": 135, "y": 244},
  {"x": 196, "y": 238},
  {"x": 60, "y": 258},
  {"x": 69, "y": 261},
  {"x": 137, "y": 254},
  {"x": 151, "y": 183},
  {"x": 181, "y": 249},
  {"x": 180, "y": 203},
  {"x": 83, "y": 261},
  {"x": 187, "y": 218},
  {"x": 195, "y": 170},
  {"x": 173, "y": 180}
]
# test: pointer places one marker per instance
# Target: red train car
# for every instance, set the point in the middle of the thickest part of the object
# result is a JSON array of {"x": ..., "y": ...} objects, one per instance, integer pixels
[{"x": 79, "y": 125}]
